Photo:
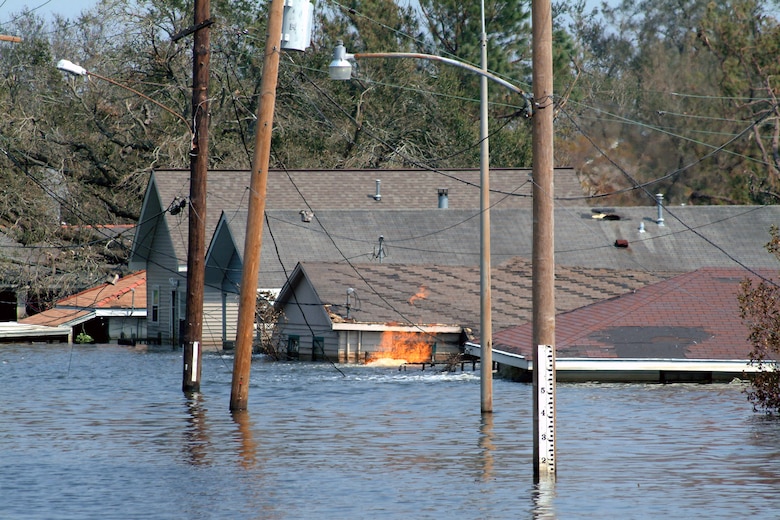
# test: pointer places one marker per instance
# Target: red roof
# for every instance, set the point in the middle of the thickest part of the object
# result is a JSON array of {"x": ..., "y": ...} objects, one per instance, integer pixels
[
  {"x": 128, "y": 292},
  {"x": 691, "y": 316}
]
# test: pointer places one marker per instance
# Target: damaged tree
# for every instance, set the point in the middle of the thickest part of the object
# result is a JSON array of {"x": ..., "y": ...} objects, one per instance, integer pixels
[
  {"x": 760, "y": 311},
  {"x": 267, "y": 318}
]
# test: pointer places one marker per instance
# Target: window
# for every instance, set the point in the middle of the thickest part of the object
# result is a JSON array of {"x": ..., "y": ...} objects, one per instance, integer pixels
[
  {"x": 155, "y": 304},
  {"x": 293, "y": 347}
]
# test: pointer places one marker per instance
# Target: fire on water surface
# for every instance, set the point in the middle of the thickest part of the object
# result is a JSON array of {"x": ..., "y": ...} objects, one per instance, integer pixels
[{"x": 401, "y": 347}]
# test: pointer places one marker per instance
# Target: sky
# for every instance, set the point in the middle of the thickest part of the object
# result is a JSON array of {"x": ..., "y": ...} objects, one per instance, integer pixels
[{"x": 67, "y": 8}]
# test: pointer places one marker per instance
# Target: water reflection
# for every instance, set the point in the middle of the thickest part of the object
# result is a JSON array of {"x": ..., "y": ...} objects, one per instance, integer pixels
[
  {"x": 543, "y": 499},
  {"x": 247, "y": 447},
  {"x": 486, "y": 446},
  {"x": 196, "y": 435}
]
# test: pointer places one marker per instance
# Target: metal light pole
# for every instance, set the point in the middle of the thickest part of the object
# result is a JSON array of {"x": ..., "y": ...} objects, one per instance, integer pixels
[
  {"x": 78, "y": 70},
  {"x": 543, "y": 261},
  {"x": 340, "y": 67}
]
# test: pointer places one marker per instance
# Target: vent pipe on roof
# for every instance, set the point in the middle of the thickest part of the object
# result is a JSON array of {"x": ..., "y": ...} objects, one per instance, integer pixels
[
  {"x": 378, "y": 195},
  {"x": 444, "y": 198},
  {"x": 659, "y": 199}
]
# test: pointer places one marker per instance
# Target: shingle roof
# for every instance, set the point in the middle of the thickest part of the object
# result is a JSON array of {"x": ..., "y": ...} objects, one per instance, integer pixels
[
  {"x": 449, "y": 295},
  {"x": 721, "y": 236},
  {"x": 692, "y": 237},
  {"x": 129, "y": 292},
  {"x": 691, "y": 316},
  {"x": 355, "y": 189},
  {"x": 350, "y": 189},
  {"x": 126, "y": 293}
]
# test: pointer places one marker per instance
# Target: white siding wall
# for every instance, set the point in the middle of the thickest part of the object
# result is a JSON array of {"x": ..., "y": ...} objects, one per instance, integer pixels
[{"x": 216, "y": 305}]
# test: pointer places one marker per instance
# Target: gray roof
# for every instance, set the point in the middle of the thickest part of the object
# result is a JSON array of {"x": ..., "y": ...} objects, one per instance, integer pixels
[
  {"x": 355, "y": 189},
  {"x": 349, "y": 190},
  {"x": 450, "y": 295},
  {"x": 692, "y": 237},
  {"x": 719, "y": 236}
]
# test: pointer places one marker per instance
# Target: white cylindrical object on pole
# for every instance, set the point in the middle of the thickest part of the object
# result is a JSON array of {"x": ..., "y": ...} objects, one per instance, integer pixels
[{"x": 297, "y": 22}]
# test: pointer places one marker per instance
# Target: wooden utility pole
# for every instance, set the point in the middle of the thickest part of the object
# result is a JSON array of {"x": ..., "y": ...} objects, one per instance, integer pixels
[
  {"x": 543, "y": 256},
  {"x": 196, "y": 248},
  {"x": 242, "y": 363},
  {"x": 6, "y": 38}
]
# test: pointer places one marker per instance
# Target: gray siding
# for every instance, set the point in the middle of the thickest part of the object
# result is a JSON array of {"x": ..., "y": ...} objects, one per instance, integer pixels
[
  {"x": 315, "y": 325},
  {"x": 162, "y": 273}
]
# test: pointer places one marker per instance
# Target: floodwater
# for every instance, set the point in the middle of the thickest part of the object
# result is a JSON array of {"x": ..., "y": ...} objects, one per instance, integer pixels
[{"x": 105, "y": 432}]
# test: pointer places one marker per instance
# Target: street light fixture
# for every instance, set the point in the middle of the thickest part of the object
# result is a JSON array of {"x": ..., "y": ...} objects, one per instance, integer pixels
[
  {"x": 340, "y": 68},
  {"x": 78, "y": 70}
]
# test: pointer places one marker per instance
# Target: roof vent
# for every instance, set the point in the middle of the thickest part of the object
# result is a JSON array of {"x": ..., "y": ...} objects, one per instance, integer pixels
[
  {"x": 378, "y": 194},
  {"x": 659, "y": 199},
  {"x": 444, "y": 198}
]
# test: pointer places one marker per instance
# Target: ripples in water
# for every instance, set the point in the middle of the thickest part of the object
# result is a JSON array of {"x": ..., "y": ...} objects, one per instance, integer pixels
[{"x": 105, "y": 432}]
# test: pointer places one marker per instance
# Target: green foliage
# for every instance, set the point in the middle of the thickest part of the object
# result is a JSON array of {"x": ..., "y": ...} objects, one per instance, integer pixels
[
  {"x": 83, "y": 338},
  {"x": 760, "y": 311}
]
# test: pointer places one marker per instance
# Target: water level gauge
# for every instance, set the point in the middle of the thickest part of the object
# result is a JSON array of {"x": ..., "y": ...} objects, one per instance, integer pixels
[{"x": 545, "y": 410}]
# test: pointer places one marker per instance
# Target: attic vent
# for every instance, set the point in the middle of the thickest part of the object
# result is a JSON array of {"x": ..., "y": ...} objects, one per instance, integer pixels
[
  {"x": 378, "y": 194},
  {"x": 621, "y": 242}
]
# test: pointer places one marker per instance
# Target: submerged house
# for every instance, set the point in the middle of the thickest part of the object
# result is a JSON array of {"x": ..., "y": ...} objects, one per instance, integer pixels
[
  {"x": 694, "y": 242},
  {"x": 683, "y": 329},
  {"x": 347, "y": 312},
  {"x": 114, "y": 311},
  {"x": 310, "y": 215}
]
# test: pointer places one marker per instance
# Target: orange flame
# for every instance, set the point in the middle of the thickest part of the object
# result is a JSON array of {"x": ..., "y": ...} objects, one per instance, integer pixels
[
  {"x": 421, "y": 294},
  {"x": 406, "y": 346}
]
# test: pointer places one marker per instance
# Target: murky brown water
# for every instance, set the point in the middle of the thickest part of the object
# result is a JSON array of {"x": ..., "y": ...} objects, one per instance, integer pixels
[{"x": 105, "y": 432}]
